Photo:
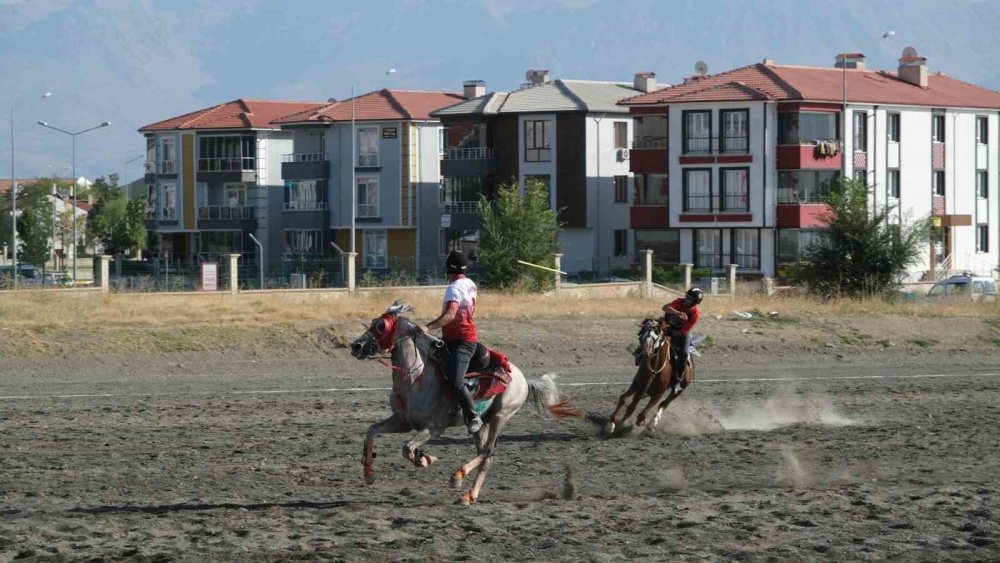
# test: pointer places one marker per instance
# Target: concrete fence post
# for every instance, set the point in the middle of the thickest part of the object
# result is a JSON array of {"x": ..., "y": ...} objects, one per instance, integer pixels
[
  {"x": 558, "y": 276},
  {"x": 351, "y": 270},
  {"x": 647, "y": 280},
  {"x": 732, "y": 280},
  {"x": 234, "y": 273},
  {"x": 769, "y": 286},
  {"x": 105, "y": 273},
  {"x": 687, "y": 276}
]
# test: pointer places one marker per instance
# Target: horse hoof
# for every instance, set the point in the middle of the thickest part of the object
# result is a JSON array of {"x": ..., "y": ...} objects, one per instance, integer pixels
[
  {"x": 467, "y": 500},
  {"x": 369, "y": 479},
  {"x": 609, "y": 429},
  {"x": 457, "y": 479}
]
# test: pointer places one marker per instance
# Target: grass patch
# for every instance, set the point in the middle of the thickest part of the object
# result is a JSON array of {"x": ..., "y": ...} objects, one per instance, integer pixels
[{"x": 923, "y": 342}]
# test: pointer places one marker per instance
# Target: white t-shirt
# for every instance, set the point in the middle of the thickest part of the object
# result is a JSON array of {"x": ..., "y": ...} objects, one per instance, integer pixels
[{"x": 463, "y": 292}]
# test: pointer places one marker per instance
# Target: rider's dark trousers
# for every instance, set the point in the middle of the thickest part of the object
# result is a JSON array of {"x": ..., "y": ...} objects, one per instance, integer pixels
[
  {"x": 680, "y": 343},
  {"x": 461, "y": 352}
]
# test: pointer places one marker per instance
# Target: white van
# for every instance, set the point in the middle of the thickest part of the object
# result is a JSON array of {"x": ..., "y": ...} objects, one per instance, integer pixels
[{"x": 965, "y": 286}]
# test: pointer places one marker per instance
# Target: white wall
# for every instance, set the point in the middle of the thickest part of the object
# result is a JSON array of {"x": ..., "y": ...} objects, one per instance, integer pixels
[{"x": 603, "y": 214}]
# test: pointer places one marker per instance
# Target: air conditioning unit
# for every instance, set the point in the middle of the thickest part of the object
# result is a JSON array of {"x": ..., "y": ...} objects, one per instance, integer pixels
[{"x": 622, "y": 155}]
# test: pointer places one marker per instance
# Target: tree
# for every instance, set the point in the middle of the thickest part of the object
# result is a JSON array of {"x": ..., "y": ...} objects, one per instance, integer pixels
[
  {"x": 519, "y": 227},
  {"x": 34, "y": 223},
  {"x": 863, "y": 251},
  {"x": 117, "y": 224}
]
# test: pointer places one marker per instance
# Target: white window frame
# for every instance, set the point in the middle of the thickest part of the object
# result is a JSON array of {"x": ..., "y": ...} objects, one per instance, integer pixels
[
  {"x": 302, "y": 238},
  {"x": 982, "y": 238},
  {"x": 982, "y": 130},
  {"x": 370, "y": 211},
  {"x": 533, "y": 151},
  {"x": 938, "y": 183},
  {"x": 168, "y": 165},
  {"x": 168, "y": 212},
  {"x": 239, "y": 186},
  {"x": 892, "y": 188},
  {"x": 369, "y": 159},
  {"x": 295, "y": 200},
  {"x": 371, "y": 260},
  {"x": 982, "y": 184}
]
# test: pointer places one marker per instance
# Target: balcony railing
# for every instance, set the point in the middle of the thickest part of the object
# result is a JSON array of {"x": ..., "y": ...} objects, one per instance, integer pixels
[
  {"x": 221, "y": 212},
  {"x": 367, "y": 160},
  {"x": 461, "y": 207},
  {"x": 227, "y": 164},
  {"x": 162, "y": 167},
  {"x": 649, "y": 142},
  {"x": 306, "y": 206},
  {"x": 727, "y": 144},
  {"x": 305, "y": 157},
  {"x": 467, "y": 153},
  {"x": 810, "y": 195}
]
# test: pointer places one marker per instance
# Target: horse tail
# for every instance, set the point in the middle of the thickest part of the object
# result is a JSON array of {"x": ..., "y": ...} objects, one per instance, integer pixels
[{"x": 544, "y": 397}]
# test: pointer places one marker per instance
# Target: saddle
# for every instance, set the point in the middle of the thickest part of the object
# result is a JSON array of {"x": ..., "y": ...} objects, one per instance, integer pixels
[{"x": 487, "y": 376}]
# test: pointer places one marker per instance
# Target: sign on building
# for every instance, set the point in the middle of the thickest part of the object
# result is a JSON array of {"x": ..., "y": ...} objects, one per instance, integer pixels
[
  {"x": 209, "y": 276},
  {"x": 389, "y": 132}
]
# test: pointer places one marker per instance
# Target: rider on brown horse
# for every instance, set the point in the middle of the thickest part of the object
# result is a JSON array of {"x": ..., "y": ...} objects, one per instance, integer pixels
[
  {"x": 680, "y": 316},
  {"x": 458, "y": 330}
]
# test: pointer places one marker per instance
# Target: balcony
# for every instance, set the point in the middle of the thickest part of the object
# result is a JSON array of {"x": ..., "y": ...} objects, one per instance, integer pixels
[
  {"x": 648, "y": 216},
  {"x": 306, "y": 206},
  {"x": 802, "y": 215},
  {"x": 162, "y": 167},
  {"x": 464, "y": 215},
  {"x": 305, "y": 166},
  {"x": 467, "y": 161},
  {"x": 219, "y": 216},
  {"x": 711, "y": 150},
  {"x": 229, "y": 169},
  {"x": 808, "y": 156},
  {"x": 648, "y": 154}
]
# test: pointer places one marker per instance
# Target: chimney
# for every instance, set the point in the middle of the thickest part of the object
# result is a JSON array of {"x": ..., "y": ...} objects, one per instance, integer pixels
[
  {"x": 645, "y": 81},
  {"x": 913, "y": 69},
  {"x": 537, "y": 76},
  {"x": 769, "y": 62},
  {"x": 473, "y": 89},
  {"x": 850, "y": 60}
]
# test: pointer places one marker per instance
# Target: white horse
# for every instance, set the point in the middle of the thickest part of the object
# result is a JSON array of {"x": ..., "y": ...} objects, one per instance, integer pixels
[{"x": 422, "y": 400}]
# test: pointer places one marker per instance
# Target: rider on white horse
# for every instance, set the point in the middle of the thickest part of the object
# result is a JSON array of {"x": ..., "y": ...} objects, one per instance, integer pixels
[{"x": 458, "y": 330}]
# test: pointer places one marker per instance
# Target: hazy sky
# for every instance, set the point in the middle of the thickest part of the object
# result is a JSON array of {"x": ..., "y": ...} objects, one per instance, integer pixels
[{"x": 133, "y": 62}]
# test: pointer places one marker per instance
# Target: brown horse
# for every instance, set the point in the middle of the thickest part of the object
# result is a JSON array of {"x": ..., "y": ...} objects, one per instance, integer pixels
[{"x": 654, "y": 378}]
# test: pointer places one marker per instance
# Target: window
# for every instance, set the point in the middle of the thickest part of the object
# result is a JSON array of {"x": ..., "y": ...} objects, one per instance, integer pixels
[
  {"x": 368, "y": 196},
  {"x": 621, "y": 189},
  {"x": 537, "y": 141},
  {"x": 806, "y": 128},
  {"x": 793, "y": 244},
  {"x": 651, "y": 189},
  {"x": 735, "y": 130},
  {"x": 303, "y": 241},
  {"x": 892, "y": 184},
  {"x": 621, "y": 135},
  {"x": 305, "y": 195},
  {"x": 649, "y": 132},
  {"x": 861, "y": 131},
  {"x": 665, "y": 244},
  {"x": 937, "y": 182},
  {"x": 368, "y": 147},
  {"x": 698, "y": 189},
  {"x": 375, "y": 249},
  {"x": 461, "y": 194},
  {"x": 735, "y": 189},
  {"x": 169, "y": 192},
  {"x": 746, "y": 248},
  {"x": 982, "y": 130},
  {"x": 697, "y": 132},
  {"x": 214, "y": 242},
  {"x": 708, "y": 248},
  {"x": 236, "y": 195},
  {"x": 465, "y": 240},
  {"x": 937, "y": 128},
  {"x": 892, "y": 127},
  {"x": 150, "y": 155},
  {"x": 805, "y": 186},
  {"x": 621, "y": 242},
  {"x": 982, "y": 238},
  {"x": 150, "y": 201},
  {"x": 861, "y": 175},
  {"x": 231, "y": 153},
  {"x": 168, "y": 155},
  {"x": 982, "y": 188}
]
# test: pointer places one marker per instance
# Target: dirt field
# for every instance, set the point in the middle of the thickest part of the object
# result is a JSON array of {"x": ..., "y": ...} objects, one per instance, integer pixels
[{"x": 842, "y": 438}]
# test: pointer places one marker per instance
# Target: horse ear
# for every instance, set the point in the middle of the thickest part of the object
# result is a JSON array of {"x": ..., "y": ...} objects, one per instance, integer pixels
[{"x": 399, "y": 307}]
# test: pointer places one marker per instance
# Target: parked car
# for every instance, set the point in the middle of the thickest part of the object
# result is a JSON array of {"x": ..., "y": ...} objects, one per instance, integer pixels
[
  {"x": 965, "y": 286},
  {"x": 26, "y": 274}
]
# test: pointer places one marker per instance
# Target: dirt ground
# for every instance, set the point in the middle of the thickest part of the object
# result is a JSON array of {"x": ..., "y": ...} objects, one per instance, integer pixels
[{"x": 843, "y": 438}]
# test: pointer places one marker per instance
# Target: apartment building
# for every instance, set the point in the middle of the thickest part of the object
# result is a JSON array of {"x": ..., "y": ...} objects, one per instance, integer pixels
[
  {"x": 570, "y": 134},
  {"x": 395, "y": 167},
  {"x": 737, "y": 165},
  {"x": 208, "y": 177}
]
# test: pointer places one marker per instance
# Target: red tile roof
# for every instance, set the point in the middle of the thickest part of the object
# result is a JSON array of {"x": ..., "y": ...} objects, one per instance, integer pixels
[
  {"x": 785, "y": 82},
  {"x": 5, "y": 183},
  {"x": 237, "y": 114},
  {"x": 379, "y": 105}
]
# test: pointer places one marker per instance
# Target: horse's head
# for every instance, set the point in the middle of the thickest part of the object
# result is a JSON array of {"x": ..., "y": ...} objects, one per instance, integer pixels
[
  {"x": 650, "y": 336},
  {"x": 383, "y": 332}
]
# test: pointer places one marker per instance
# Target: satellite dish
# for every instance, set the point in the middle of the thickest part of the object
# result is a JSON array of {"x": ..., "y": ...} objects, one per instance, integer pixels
[
  {"x": 701, "y": 68},
  {"x": 909, "y": 52}
]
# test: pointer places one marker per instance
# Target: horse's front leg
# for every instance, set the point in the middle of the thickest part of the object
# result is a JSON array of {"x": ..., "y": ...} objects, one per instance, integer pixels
[
  {"x": 675, "y": 391},
  {"x": 390, "y": 425},
  {"x": 641, "y": 419},
  {"x": 412, "y": 453}
]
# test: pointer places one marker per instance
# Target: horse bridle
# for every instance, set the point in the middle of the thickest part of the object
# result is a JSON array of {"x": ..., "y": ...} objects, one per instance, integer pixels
[{"x": 378, "y": 342}]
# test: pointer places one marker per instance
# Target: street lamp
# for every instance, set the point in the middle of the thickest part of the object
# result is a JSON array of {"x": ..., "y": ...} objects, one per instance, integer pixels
[
  {"x": 13, "y": 196},
  {"x": 73, "y": 187}
]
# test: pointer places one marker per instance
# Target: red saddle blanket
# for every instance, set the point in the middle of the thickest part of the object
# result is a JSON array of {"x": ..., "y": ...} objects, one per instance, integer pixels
[{"x": 489, "y": 381}]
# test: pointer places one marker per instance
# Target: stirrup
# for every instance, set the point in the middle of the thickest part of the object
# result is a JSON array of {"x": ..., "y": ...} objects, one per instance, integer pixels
[{"x": 474, "y": 425}]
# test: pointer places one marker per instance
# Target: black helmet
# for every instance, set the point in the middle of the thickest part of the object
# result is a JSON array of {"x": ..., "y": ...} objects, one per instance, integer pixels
[
  {"x": 457, "y": 262},
  {"x": 696, "y": 294}
]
